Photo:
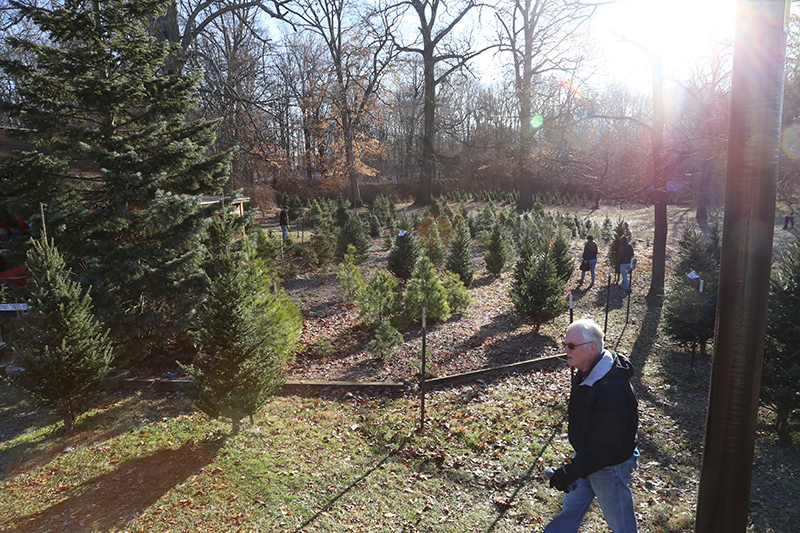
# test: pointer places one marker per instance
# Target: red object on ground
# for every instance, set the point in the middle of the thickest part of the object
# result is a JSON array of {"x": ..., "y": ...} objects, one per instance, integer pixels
[{"x": 17, "y": 275}]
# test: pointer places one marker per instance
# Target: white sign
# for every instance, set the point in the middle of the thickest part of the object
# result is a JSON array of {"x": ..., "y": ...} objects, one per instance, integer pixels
[{"x": 14, "y": 307}]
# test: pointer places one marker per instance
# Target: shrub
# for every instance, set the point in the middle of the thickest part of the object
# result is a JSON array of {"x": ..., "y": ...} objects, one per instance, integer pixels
[
  {"x": 434, "y": 248},
  {"x": 780, "y": 379},
  {"x": 459, "y": 259},
  {"x": 352, "y": 234},
  {"x": 537, "y": 291},
  {"x": 499, "y": 253},
  {"x": 404, "y": 255},
  {"x": 380, "y": 299},
  {"x": 350, "y": 283},
  {"x": 458, "y": 297},
  {"x": 425, "y": 291},
  {"x": 386, "y": 339}
]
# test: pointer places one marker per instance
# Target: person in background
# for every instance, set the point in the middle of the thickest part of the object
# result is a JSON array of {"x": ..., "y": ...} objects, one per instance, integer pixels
[
  {"x": 625, "y": 258},
  {"x": 589, "y": 254},
  {"x": 603, "y": 421},
  {"x": 789, "y": 218},
  {"x": 283, "y": 219}
]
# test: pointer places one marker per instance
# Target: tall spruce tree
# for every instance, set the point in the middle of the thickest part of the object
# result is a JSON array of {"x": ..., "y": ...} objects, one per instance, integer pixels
[
  {"x": 62, "y": 347},
  {"x": 123, "y": 177},
  {"x": 537, "y": 291},
  {"x": 459, "y": 258},
  {"x": 246, "y": 333}
]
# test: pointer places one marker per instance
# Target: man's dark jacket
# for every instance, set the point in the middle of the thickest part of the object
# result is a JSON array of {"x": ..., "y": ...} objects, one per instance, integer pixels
[{"x": 603, "y": 416}]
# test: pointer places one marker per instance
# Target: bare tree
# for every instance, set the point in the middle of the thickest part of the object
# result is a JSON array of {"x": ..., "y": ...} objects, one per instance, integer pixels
[
  {"x": 443, "y": 52},
  {"x": 542, "y": 36},
  {"x": 360, "y": 52}
]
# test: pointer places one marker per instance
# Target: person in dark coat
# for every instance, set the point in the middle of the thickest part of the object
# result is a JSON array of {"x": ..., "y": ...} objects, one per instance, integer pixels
[
  {"x": 283, "y": 219},
  {"x": 603, "y": 421},
  {"x": 625, "y": 258},
  {"x": 590, "y": 255}
]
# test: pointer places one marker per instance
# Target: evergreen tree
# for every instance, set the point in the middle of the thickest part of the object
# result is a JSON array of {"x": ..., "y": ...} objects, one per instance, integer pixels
[
  {"x": 559, "y": 251},
  {"x": 621, "y": 229},
  {"x": 537, "y": 291},
  {"x": 690, "y": 315},
  {"x": 124, "y": 176},
  {"x": 459, "y": 259},
  {"x": 458, "y": 297},
  {"x": 404, "y": 254},
  {"x": 380, "y": 299},
  {"x": 352, "y": 234},
  {"x": 500, "y": 252},
  {"x": 374, "y": 226},
  {"x": 385, "y": 340},
  {"x": 246, "y": 333},
  {"x": 59, "y": 342},
  {"x": 434, "y": 247},
  {"x": 425, "y": 291},
  {"x": 350, "y": 281},
  {"x": 780, "y": 378}
]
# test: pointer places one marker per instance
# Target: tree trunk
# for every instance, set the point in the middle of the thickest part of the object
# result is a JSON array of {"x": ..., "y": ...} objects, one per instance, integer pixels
[
  {"x": 658, "y": 272},
  {"x": 743, "y": 294},
  {"x": 428, "y": 166}
]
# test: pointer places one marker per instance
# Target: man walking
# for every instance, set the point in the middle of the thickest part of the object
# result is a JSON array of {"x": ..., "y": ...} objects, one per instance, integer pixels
[
  {"x": 603, "y": 420},
  {"x": 589, "y": 258},
  {"x": 625, "y": 257},
  {"x": 283, "y": 220}
]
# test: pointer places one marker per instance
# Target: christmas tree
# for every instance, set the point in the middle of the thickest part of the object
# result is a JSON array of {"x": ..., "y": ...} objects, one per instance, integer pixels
[
  {"x": 62, "y": 347},
  {"x": 123, "y": 177}
]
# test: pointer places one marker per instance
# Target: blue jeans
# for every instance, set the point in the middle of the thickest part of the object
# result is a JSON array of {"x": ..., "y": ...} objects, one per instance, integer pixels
[
  {"x": 284, "y": 232},
  {"x": 610, "y": 487},
  {"x": 623, "y": 269},
  {"x": 592, "y": 264}
]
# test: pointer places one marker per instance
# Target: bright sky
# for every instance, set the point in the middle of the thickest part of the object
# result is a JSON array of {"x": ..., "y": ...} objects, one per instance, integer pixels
[{"x": 683, "y": 29}]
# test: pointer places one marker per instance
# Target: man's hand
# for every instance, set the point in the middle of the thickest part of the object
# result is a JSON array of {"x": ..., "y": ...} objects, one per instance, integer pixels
[{"x": 559, "y": 480}]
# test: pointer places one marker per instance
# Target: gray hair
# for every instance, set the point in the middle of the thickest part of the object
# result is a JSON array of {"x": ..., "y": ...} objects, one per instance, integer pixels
[{"x": 589, "y": 331}]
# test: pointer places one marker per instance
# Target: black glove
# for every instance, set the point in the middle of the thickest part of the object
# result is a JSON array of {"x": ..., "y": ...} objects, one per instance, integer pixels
[{"x": 559, "y": 480}]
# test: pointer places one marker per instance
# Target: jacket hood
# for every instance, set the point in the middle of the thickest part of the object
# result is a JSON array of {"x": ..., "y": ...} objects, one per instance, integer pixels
[{"x": 611, "y": 364}]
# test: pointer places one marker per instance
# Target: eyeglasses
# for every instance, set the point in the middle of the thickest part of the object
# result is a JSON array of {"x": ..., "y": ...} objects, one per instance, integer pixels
[{"x": 570, "y": 346}]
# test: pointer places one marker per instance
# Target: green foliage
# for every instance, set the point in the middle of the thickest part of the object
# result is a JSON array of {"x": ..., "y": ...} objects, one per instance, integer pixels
[
  {"x": 386, "y": 339},
  {"x": 404, "y": 254},
  {"x": 458, "y": 297},
  {"x": 322, "y": 348},
  {"x": 384, "y": 210},
  {"x": 499, "y": 253},
  {"x": 374, "y": 226},
  {"x": 690, "y": 315},
  {"x": 318, "y": 214},
  {"x": 606, "y": 229},
  {"x": 459, "y": 259},
  {"x": 245, "y": 336},
  {"x": 60, "y": 344},
  {"x": 780, "y": 378},
  {"x": 434, "y": 247},
  {"x": 563, "y": 260},
  {"x": 350, "y": 282},
  {"x": 263, "y": 246},
  {"x": 426, "y": 291},
  {"x": 380, "y": 299},
  {"x": 352, "y": 234},
  {"x": 97, "y": 91},
  {"x": 621, "y": 229},
  {"x": 537, "y": 290},
  {"x": 323, "y": 245}
]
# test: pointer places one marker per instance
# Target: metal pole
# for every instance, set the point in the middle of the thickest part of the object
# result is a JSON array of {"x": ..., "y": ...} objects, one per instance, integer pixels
[
  {"x": 422, "y": 379},
  {"x": 753, "y": 151},
  {"x": 608, "y": 298},
  {"x": 571, "y": 317}
]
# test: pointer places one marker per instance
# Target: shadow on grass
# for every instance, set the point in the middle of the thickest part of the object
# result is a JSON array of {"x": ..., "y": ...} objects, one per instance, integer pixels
[
  {"x": 347, "y": 489},
  {"x": 108, "y": 502}
]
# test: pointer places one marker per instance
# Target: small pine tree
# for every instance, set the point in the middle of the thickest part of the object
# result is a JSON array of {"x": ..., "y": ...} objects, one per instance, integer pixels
[
  {"x": 380, "y": 299},
  {"x": 425, "y": 291},
  {"x": 318, "y": 214},
  {"x": 246, "y": 334},
  {"x": 386, "y": 339},
  {"x": 434, "y": 247},
  {"x": 352, "y": 233},
  {"x": 350, "y": 281},
  {"x": 374, "y": 226},
  {"x": 458, "y": 297},
  {"x": 537, "y": 291},
  {"x": 404, "y": 255},
  {"x": 559, "y": 250},
  {"x": 499, "y": 253},
  {"x": 690, "y": 315},
  {"x": 780, "y": 378},
  {"x": 459, "y": 259},
  {"x": 59, "y": 342}
]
